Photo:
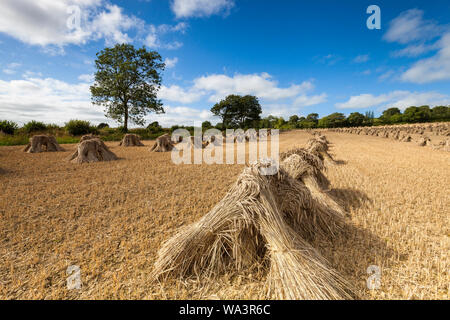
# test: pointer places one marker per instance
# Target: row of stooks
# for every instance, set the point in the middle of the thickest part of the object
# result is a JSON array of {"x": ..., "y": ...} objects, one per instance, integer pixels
[
  {"x": 92, "y": 149},
  {"x": 438, "y": 129},
  {"x": 404, "y": 133},
  {"x": 267, "y": 222}
]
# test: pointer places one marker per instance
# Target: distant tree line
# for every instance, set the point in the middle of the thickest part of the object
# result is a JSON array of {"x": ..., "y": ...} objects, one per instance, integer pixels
[{"x": 245, "y": 112}]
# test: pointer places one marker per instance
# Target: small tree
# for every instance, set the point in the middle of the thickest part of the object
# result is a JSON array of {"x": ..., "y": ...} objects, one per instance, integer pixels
[
  {"x": 355, "y": 119},
  {"x": 127, "y": 82},
  {"x": 389, "y": 113},
  {"x": 8, "y": 127},
  {"x": 34, "y": 126},
  {"x": 440, "y": 113},
  {"x": 293, "y": 121},
  {"x": 238, "y": 111},
  {"x": 79, "y": 127},
  {"x": 206, "y": 125}
]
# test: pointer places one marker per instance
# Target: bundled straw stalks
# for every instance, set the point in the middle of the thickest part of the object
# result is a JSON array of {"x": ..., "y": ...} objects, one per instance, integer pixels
[
  {"x": 92, "y": 150},
  {"x": 88, "y": 137},
  {"x": 131, "y": 140},
  {"x": 163, "y": 144},
  {"x": 264, "y": 220},
  {"x": 319, "y": 147},
  {"x": 42, "y": 143}
]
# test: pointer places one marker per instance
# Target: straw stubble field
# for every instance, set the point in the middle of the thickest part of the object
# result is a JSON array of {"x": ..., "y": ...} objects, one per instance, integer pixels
[{"x": 110, "y": 218}]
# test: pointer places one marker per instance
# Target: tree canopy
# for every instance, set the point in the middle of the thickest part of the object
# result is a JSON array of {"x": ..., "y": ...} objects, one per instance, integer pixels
[
  {"x": 127, "y": 81},
  {"x": 238, "y": 111}
]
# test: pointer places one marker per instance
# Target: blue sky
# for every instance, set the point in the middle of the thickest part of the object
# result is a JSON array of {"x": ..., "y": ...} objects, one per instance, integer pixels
[{"x": 298, "y": 57}]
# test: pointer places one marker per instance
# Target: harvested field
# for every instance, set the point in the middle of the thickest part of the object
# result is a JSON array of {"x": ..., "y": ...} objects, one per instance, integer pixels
[{"x": 110, "y": 218}]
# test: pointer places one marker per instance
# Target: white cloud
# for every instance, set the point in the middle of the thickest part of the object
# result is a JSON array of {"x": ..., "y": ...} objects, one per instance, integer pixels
[
  {"x": 175, "y": 93},
  {"x": 362, "y": 58},
  {"x": 410, "y": 26},
  {"x": 386, "y": 75},
  {"x": 152, "y": 40},
  {"x": 414, "y": 50},
  {"x": 436, "y": 68},
  {"x": 362, "y": 101},
  {"x": 88, "y": 78},
  {"x": 216, "y": 87},
  {"x": 306, "y": 101},
  {"x": 200, "y": 8},
  {"x": 46, "y": 99},
  {"x": 11, "y": 68},
  {"x": 399, "y": 99},
  {"x": 171, "y": 63},
  {"x": 111, "y": 24},
  {"x": 260, "y": 85},
  {"x": 43, "y": 22},
  {"x": 329, "y": 59},
  {"x": 179, "y": 27},
  {"x": 182, "y": 115},
  {"x": 47, "y": 23}
]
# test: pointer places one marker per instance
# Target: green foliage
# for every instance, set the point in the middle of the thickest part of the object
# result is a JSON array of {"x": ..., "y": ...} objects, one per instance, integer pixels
[
  {"x": 390, "y": 115},
  {"x": 102, "y": 125},
  {"x": 8, "y": 127},
  {"x": 79, "y": 127},
  {"x": 306, "y": 124},
  {"x": 154, "y": 127},
  {"x": 356, "y": 119},
  {"x": 34, "y": 126},
  {"x": 280, "y": 123},
  {"x": 127, "y": 81},
  {"x": 440, "y": 113},
  {"x": 415, "y": 114},
  {"x": 238, "y": 111},
  {"x": 206, "y": 125},
  {"x": 294, "y": 121},
  {"x": 13, "y": 140},
  {"x": 334, "y": 120},
  {"x": 312, "y": 117}
]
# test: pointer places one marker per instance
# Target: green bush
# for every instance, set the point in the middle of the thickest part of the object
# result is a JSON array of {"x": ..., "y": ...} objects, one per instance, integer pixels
[
  {"x": 34, "y": 126},
  {"x": 8, "y": 127},
  {"x": 103, "y": 125},
  {"x": 154, "y": 127},
  {"x": 79, "y": 127}
]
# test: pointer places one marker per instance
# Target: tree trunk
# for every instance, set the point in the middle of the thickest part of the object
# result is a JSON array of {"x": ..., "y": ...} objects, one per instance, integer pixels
[{"x": 125, "y": 121}]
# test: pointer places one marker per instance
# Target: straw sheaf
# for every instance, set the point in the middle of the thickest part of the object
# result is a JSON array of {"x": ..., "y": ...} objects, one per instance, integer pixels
[{"x": 264, "y": 220}]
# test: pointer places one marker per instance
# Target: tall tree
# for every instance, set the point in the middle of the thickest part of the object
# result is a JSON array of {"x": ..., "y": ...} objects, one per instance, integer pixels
[
  {"x": 127, "y": 81},
  {"x": 238, "y": 111},
  {"x": 355, "y": 119}
]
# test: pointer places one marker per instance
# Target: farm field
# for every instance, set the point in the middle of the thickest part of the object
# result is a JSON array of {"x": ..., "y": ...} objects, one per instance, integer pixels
[{"x": 110, "y": 218}]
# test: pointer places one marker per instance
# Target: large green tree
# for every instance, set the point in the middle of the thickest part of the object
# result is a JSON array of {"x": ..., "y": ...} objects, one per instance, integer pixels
[
  {"x": 356, "y": 119},
  {"x": 440, "y": 113},
  {"x": 127, "y": 81},
  {"x": 238, "y": 111},
  {"x": 334, "y": 120}
]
